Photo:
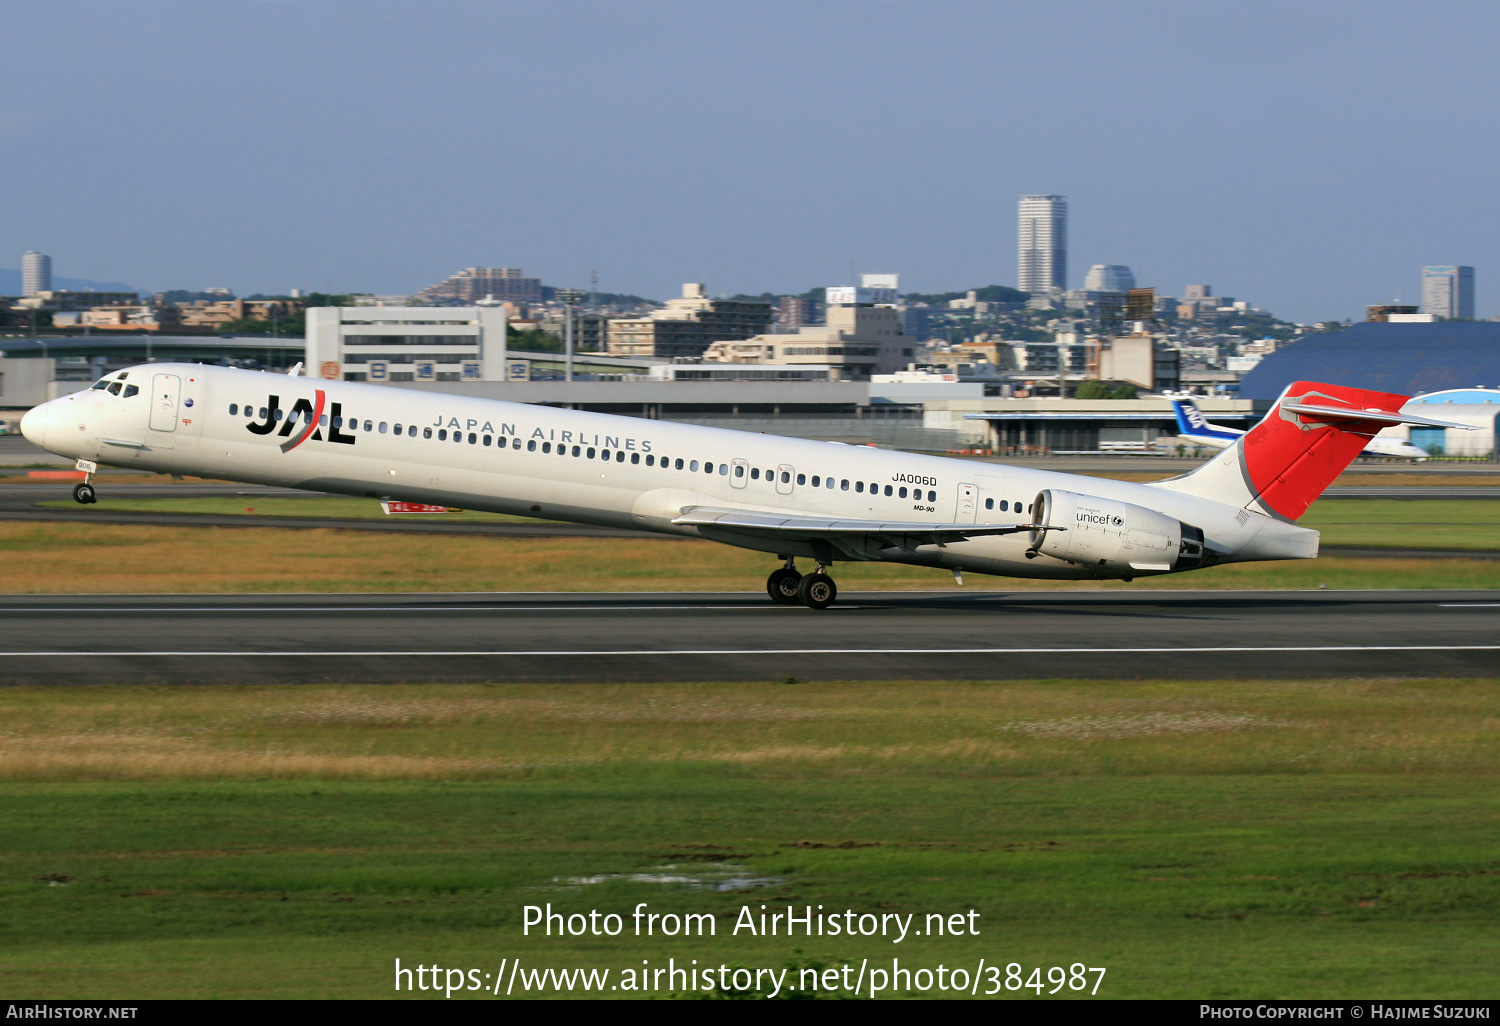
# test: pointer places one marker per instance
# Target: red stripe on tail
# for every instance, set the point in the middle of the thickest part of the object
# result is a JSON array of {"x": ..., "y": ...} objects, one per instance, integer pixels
[{"x": 1289, "y": 458}]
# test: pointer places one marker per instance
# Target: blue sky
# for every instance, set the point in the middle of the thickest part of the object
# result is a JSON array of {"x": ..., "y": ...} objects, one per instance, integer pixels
[{"x": 1307, "y": 156}]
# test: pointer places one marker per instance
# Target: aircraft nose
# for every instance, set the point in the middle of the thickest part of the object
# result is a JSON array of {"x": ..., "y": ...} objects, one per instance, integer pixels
[{"x": 34, "y": 425}]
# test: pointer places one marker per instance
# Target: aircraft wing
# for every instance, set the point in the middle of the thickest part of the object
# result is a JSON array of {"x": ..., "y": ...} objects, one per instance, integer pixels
[{"x": 779, "y": 524}]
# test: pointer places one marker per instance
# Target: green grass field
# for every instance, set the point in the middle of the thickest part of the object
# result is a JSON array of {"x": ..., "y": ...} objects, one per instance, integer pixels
[
  {"x": 78, "y": 557},
  {"x": 1374, "y": 523},
  {"x": 1304, "y": 839}
]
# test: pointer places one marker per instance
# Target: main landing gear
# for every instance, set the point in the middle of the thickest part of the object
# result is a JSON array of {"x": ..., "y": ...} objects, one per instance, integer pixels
[{"x": 815, "y": 590}]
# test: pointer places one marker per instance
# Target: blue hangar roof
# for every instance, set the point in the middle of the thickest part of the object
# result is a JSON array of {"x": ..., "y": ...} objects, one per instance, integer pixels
[{"x": 1404, "y": 358}]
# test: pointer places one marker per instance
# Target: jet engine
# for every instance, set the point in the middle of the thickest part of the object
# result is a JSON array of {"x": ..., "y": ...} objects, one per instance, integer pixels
[{"x": 1111, "y": 535}]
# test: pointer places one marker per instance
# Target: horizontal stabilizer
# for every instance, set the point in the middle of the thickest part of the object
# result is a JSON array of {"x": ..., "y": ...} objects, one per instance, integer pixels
[{"x": 1379, "y": 416}]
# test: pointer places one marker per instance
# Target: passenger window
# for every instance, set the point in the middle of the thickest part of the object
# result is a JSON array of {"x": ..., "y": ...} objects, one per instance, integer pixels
[
  {"x": 591, "y": 453},
  {"x": 817, "y": 481},
  {"x": 1028, "y": 507},
  {"x": 677, "y": 465},
  {"x": 620, "y": 456},
  {"x": 887, "y": 490},
  {"x": 130, "y": 390},
  {"x": 249, "y": 412},
  {"x": 487, "y": 441},
  {"x": 577, "y": 449},
  {"x": 382, "y": 427},
  {"x": 515, "y": 443},
  {"x": 426, "y": 432},
  {"x": 828, "y": 482},
  {"x": 603, "y": 455},
  {"x": 859, "y": 486},
  {"x": 473, "y": 438},
  {"x": 739, "y": 471},
  {"x": 369, "y": 426},
  {"x": 844, "y": 485},
  {"x": 635, "y": 457},
  {"x": 442, "y": 434},
  {"x": 323, "y": 422},
  {"x": 989, "y": 503},
  {"x": 1005, "y": 506},
  {"x": 786, "y": 477},
  {"x": 531, "y": 446},
  {"x": 755, "y": 474},
  {"x": 693, "y": 466},
  {"x": 234, "y": 408},
  {"x": 276, "y": 414},
  {"x": 650, "y": 461},
  {"x": 802, "y": 479},
  {"x": 901, "y": 492},
  {"x": 932, "y": 496}
]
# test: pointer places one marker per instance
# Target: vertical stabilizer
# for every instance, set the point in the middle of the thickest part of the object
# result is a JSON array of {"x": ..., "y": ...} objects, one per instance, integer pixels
[{"x": 1303, "y": 443}]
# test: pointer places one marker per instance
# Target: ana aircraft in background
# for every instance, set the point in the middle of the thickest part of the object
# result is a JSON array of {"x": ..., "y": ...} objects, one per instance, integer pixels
[
  {"x": 1192, "y": 425},
  {"x": 787, "y": 497}
]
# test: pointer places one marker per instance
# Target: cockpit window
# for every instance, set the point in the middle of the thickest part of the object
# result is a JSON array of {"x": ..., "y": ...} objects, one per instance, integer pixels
[
  {"x": 114, "y": 388},
  {"x": 101, "y": 383},
  {"x": 131, "y": 390}
]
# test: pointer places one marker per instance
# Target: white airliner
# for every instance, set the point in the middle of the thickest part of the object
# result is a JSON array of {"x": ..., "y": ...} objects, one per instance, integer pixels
[
  {"x": 1192, "y": 425},
  {"x": 788, "y": 497}
]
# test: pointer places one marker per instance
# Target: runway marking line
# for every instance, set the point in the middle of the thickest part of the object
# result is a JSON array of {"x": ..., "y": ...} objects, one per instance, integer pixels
[{"x": 779, "y": 651}]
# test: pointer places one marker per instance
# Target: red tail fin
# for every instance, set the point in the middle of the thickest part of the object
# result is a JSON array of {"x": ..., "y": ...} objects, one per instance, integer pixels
[{"x": 1307, "y": 439}]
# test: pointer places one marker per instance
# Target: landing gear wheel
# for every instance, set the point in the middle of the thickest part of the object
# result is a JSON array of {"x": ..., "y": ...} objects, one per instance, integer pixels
[
  {"x": 84, "y": 493},
  {"x": 817, "y": 591},
  {"x": 782, "y": 586}
]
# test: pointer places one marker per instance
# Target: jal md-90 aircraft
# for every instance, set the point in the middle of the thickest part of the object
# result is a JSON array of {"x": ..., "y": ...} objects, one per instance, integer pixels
[
  {"x": 1192, "y": 425},
  {"x": 787, "y": 497}
]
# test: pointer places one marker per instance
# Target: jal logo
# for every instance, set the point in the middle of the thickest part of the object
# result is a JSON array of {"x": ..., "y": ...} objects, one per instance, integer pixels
[{"x": 305, "y": 420}]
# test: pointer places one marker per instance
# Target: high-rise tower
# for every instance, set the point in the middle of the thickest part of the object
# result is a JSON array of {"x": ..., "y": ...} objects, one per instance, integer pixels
[
  {"x": 36, "y": 273},
  {"x": 1448, "y": 292},
  {"x": 1043, "y": 247}
]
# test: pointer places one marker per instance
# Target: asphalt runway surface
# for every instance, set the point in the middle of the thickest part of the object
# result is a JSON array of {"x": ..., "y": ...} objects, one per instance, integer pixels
[{"x": 549, "y": 638}]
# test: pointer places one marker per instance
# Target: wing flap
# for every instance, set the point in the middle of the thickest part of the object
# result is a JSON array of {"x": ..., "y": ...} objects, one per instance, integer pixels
[{"x": 788, "y": 525}]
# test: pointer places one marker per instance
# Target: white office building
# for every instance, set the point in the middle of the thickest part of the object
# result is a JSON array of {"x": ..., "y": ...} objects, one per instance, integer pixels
[
  {"x": 408, "y": 343},
  {"x": 1043, "y": 244},
  {"x": 1109, "y": 278},
  {"x": 36, "y": 273},
  {"x": 1448, "y": 292}
]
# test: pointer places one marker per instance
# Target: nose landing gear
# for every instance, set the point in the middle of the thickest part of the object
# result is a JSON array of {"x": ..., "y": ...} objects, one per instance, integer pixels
[{"x": 83, "y": 492}]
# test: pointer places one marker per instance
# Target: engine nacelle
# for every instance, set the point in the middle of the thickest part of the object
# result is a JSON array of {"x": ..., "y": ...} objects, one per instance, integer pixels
[{"x": 1111, "y": 535}]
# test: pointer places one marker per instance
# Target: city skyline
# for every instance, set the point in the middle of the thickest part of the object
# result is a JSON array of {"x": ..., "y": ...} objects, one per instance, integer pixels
[{"x": 1272, "y": 165}]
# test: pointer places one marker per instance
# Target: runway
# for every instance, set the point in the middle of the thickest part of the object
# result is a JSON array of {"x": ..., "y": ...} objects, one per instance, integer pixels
[{"x": 739, "y": 637}]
